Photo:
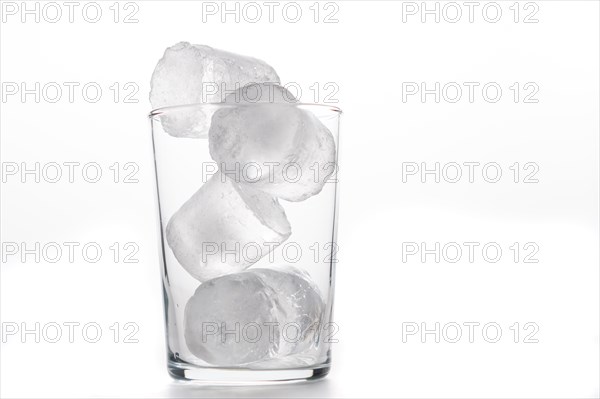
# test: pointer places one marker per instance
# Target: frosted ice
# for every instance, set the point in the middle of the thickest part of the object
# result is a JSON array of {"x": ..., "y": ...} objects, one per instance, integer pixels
[
  {"x": 283, "y": 305},
  {"x": 190, "y": 74},
  {"x": 224, "y": 228},
  {"x": 300, "y": 308},
  {"x": 272, "y": 145},
  {"x": 224, "y": 316}
]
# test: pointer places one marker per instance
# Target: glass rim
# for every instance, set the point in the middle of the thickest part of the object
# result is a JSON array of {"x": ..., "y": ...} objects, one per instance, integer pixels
[{"x": 173, "y": 108}]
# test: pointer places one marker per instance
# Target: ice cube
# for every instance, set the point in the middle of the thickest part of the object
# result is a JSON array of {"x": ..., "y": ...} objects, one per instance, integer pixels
[
  {"x": 191, "y": 74},
  {"x": 300, "y": 308},
  {"x": 260, "y": 315},
  {"x": 227, "y": 320},
  {"x": 224, "y": 228},
  {"x": 272, "y": 144}
]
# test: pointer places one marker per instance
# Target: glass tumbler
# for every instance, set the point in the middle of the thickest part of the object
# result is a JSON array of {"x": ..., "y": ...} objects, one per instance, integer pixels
[{"x": 247, "y": 219}]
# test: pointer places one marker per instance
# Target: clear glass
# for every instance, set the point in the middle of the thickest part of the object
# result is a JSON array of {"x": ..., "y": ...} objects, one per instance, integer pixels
[{"x": 184, "y": 165}]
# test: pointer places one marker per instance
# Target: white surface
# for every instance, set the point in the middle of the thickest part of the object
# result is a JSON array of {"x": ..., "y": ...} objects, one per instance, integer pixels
[{"x": 368, "y": 54}]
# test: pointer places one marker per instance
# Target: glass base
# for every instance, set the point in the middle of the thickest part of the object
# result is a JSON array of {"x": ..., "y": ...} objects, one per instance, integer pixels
[{"x": 232, "y": 376}]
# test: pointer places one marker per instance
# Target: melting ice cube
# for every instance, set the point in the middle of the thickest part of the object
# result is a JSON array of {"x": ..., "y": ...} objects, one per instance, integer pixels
[
  {"x": 272, "y": 145},
  {"x": 260, "y": 315},
  {"x": 225, "y": 227},
  {"x": 190, "y": 74},
  {"x": 227, "y": 320}
]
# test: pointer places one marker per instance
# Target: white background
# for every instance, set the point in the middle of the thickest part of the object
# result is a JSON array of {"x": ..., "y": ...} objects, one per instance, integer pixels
[{"x": 368, "y": 53}]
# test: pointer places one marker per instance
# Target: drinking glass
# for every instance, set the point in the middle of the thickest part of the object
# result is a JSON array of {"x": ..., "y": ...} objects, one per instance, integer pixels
[{"x": 183, "y": 166}]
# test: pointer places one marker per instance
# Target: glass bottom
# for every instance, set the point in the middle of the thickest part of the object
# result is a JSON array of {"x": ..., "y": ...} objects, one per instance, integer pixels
[{"x": 238, "y": 376}]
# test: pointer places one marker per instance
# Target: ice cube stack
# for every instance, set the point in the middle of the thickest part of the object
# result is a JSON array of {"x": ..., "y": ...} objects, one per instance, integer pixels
[{"x": 256, "y": 125}]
